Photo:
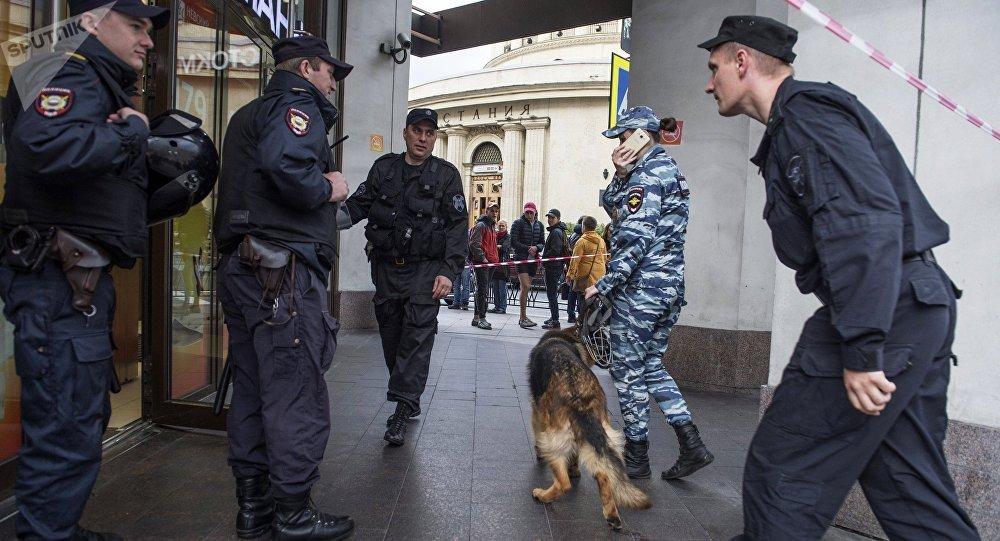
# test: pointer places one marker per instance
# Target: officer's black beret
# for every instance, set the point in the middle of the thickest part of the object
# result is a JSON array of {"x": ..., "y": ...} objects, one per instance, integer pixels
[
  {"x": 420, "y": 114},
  {"x": 309, "y": 47},
  {"x": 133, "y": 8},
  {"x": 762, "y": 33}
]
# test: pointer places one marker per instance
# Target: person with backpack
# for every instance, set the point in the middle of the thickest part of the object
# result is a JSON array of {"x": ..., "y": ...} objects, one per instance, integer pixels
[{"x": 589, "y": 261}]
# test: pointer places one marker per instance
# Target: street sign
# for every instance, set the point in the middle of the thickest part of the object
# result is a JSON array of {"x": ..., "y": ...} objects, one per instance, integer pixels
[{"x": 619, "y": 88}]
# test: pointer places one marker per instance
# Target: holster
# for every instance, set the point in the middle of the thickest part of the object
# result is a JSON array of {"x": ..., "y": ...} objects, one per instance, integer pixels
[
  {"x": 268, "y": 263},
  {"x": 82, "y": 262}
]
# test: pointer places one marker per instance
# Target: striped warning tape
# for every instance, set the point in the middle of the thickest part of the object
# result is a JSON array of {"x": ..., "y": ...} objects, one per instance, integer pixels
[
  {"x": 536, "y": 260},
  {"x": 843, "y": 33}
]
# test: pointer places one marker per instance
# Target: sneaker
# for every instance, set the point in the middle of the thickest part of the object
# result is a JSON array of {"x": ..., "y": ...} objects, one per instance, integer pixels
[
  {"x": 482, "y": 324},
  {"x": 454, "y": 306},
  {"x": 525, "y": 323},
  {"x": 497, "y": 311},
  {"x": 475, "y": 322},
  {"x": 551, "y": 325}
]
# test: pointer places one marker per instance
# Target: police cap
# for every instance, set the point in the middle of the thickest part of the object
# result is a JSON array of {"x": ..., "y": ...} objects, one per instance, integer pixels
[
  {"x": 133, "y": 8},
  {"x": 309, "y": 47},
  {"x": 762, "y": 33},
  {"x": 421, "y": 114},
  {"x": 634, "y": 118}
]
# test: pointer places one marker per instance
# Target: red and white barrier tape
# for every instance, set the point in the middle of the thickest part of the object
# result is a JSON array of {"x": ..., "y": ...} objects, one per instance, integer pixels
[
  {"x": 843, "y": 33},
  {"x": 536, "y": 260}
]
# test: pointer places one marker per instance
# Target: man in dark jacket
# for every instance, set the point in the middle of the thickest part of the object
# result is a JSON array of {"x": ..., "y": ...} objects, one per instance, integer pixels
[
  {"x": 276, "y": 228},
  {"x": 864, "y": 395},
  {"x": 556, "y": 246},
  {"x": 75, "y": 163},
  {"x": 416, "y": 229},
  {"x": 483, "y": 248},
  {"x": 571, "y": 298},
  {"x": 501, "y": 274},
  {"x": 527, "y": 237}
]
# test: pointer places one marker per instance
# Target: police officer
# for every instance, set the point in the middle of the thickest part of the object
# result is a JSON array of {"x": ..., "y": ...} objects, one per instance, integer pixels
[
  {"x": 863, "y": 397},
  {"x": 416, "y": 232},
  {"x": 74, "y": 203},
  {"x": 645, "y": 282},
  {"x": 276, "y": 227}
]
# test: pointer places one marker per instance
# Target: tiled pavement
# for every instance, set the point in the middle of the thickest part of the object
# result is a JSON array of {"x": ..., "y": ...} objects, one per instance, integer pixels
[{"x": 465, "y": 472}]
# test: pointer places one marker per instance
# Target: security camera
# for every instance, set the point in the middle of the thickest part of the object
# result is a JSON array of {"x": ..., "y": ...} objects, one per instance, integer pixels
[{"x": 404, "y": 40}]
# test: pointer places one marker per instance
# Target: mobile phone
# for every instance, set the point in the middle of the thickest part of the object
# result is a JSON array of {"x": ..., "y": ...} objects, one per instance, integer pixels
[{"x": 637, "y": 140}]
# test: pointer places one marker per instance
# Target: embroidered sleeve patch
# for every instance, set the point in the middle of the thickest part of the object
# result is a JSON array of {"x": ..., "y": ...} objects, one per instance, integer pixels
[
  {"x": 459, "y": 202},
  {"x": 297, "y": 121},
  {"x": 53, "y": 102},
  {"x": 634, "y": 197}
]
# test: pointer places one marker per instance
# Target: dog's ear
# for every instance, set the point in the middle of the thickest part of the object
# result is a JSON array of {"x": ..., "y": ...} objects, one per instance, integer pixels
[{"x": 571, "y": 333}]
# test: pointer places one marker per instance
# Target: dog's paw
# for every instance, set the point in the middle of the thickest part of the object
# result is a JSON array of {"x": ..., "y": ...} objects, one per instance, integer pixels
[
  {"x": 615, "y": 522},
  {"x": 536, "y": 493}
]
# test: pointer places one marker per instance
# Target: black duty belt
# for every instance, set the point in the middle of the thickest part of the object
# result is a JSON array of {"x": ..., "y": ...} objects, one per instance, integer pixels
[
  {"x": 926, "y": 256},
  {"x": 401, "y": 261}
]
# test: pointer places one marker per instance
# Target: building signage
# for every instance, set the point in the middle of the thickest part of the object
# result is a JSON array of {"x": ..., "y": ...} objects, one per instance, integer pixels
[
  {"x": 273, "y": 12},
  {"x": 619, "y": 88},
  {"x": 486, "y": 168},
  {"x": 674, "y": 137},
  {"x": 376, "y": 143},
  {"x": 507, "y": 110}
]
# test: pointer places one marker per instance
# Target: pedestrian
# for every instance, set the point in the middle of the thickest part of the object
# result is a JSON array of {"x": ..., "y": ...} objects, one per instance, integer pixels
[
  {"x": 589, "y": 259},
  {"x": 483, "y": 247},
  {"x": 863, "y": 397},
  {"x": 555, "y": 250},
  {"x": 463, "y": 286},
  {"x": 527, "y": 237},
  {"x": 417, "y": 220},
  {"x": 501, "y": 273},
  {"x": 571, "y": 297},
  {"x": 645, "y": 283},
  {"x": 275, "y": 227},
  {"x": 74, "y": 199}
]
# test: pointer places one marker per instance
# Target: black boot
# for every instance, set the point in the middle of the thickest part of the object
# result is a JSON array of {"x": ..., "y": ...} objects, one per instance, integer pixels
[
  {"x": 83, "y": 534},
  {"x": 694, "y": 455},
  {"x": 297, "y": 518},
  {"x": 253, "y": 495},
  {"x": 413, "y": 413},
  {"x": 637, "y": 459},
  {"x": 397, "y": 428}
]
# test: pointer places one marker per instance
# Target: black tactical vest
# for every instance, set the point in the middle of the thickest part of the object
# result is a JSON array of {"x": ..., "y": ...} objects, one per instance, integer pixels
[{"x": 405, "y": 220}]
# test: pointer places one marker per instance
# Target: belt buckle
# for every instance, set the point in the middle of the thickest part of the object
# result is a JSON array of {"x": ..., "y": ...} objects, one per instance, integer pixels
[{"x": 399, "y": 261}]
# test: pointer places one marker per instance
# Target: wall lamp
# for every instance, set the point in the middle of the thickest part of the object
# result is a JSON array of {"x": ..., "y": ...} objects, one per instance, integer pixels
[{"x": 394, "y": 52}]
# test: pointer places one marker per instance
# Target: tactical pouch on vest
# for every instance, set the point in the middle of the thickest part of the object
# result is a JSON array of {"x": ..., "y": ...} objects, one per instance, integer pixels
[
  {"x": 82, "y": 262},
  {"x": 268, "y": 263}
]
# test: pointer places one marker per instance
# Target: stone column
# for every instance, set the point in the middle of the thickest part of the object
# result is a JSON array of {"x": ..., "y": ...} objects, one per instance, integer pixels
[
  {"x": 513, "y": 170},
  {"x": 457, "y": 136},
  {"x": 441, "y": 145},
  {"x": 534, "y": 161}
]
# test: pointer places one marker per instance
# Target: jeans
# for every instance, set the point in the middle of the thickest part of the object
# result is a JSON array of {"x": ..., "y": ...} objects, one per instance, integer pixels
[
  {"x": 500, "y": 294},
  {"x": 571, "y": 301},
  {"x": 460, "y": 289},
  {"x": 553, "y": 275},
  {"x": 482, "y": 288}
]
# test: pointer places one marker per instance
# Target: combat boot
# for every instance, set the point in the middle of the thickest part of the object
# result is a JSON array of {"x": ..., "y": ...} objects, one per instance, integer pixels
[
  {"x": 83, "y": 534},
  {"x": 413, "y": 413},
  {"x": 253, "y": 495},
  {"x": 637, "y": 459},
  {"x": 397, "y": 428},
  {"x": 694, "y": 455},
  {"x": 296, "y": 518}
]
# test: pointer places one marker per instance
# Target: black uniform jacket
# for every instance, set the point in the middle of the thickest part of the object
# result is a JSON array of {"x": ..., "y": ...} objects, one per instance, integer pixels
[
  {"x": 273, "y": 160},
  {"x": 843, "y": 209},
  {"x": 67, "y": 166},
  {"x": 416, "y": 225}
]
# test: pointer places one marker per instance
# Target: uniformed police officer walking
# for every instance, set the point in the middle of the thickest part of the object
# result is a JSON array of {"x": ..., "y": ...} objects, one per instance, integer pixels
[
  {"x": 276, "y": 228},
  {"x": 74, "y": 203},
  {"x": 863, "y": 397},
  {"x": 645, "y": 282},
  {"x": 416, "y": 230}
]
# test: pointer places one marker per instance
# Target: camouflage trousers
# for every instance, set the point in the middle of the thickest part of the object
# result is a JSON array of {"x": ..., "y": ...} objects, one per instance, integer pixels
[{"x": 640, "y": 326}]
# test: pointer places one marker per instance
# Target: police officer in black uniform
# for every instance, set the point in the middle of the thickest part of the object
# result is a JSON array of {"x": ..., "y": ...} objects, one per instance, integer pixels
[
  {"x": 417, "y": 237},
  {"x": 863, "y": 397},
  {"x": 275, "y": 225},
  {"x": 74, "y": 204}
]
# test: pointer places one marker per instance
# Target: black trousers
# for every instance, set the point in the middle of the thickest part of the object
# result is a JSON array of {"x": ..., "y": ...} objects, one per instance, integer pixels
[
  {"x": 553, "y": 276},
  {"x": 407, "y": 328},
  {"x": 279, "y": 419},
  {"x": 482, "y": 290},
  {"x": 812, "y": 445},
  {"x": 64, "y": 362}
]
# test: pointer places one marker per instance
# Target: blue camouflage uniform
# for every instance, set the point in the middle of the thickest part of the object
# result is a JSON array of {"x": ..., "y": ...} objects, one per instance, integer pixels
[{"x": 645, "y": 278}]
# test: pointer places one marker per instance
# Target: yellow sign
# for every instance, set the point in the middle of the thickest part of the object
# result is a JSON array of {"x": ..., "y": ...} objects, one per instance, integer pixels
[
  {"x": 619, "y": 88},
  {"x": 376, "y": 143}
]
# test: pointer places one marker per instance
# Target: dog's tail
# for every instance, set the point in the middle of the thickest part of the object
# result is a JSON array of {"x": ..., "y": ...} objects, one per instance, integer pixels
[{"x": 601, "y": 453}]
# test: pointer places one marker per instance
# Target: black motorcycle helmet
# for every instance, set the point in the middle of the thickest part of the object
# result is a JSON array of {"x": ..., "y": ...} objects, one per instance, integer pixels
[{"x": 182, "y": 162}]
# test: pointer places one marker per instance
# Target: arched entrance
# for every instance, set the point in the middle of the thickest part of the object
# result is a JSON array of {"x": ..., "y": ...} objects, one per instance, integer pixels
[{"x": 487, "y": 179}]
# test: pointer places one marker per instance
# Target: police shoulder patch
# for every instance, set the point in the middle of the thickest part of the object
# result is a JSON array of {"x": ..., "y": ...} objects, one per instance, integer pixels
[
  {"x": 53, "y": 101},
  {"x": 795, "y": 173},
  {"x": 297, "y": 121},
  {"x": 362, "y": 188},
  {"x": 634, "y": 197},
  {"x": 459, "y": 202}
]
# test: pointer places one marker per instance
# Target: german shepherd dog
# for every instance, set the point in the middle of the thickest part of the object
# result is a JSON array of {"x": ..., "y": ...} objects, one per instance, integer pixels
[{"x": 570, "y": 421}]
